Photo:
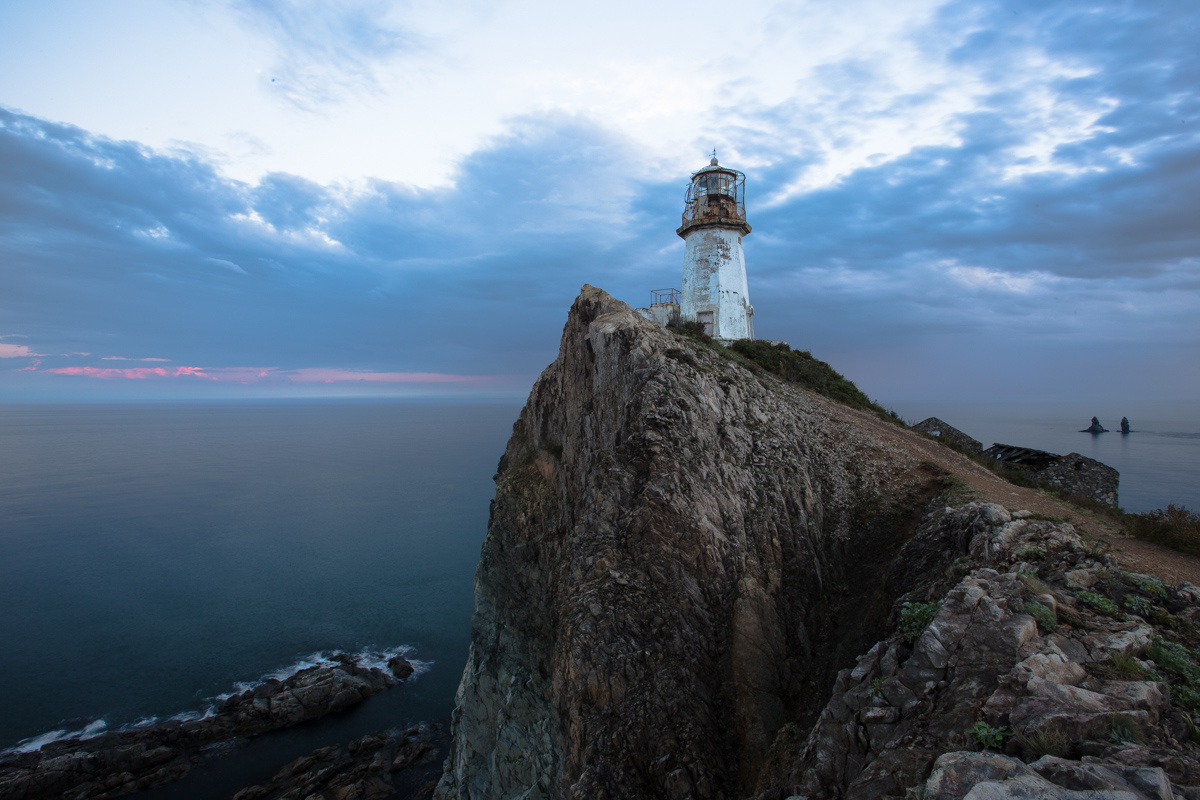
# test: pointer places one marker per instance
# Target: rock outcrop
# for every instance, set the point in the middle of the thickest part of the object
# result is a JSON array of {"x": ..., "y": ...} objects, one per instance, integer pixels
[
  {"x": 373, "y": 767},
  {"x": 122, "y": 761},
  {"x": 1095, "y": 427},
  {"x": 685, "y": 557},
  {"x": 1013, "y": 658}
]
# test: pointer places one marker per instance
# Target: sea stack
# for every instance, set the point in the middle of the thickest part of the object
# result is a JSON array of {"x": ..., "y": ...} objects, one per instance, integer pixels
[
  {"x": 1124, "y": 424},
  {"x": 1095, "y": 427}
]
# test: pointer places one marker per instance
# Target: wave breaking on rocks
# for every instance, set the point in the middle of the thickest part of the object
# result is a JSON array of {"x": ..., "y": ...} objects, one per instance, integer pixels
[{"x": 94, "y": 762}]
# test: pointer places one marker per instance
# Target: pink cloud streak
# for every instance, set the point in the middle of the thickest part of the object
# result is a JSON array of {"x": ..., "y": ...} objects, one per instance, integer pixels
[
  {"x": 16, "y": 351},
  {"x": 322, "y": 375},
  {"x": 131, "y": 373},
  {"x": 246, "y": 375}
]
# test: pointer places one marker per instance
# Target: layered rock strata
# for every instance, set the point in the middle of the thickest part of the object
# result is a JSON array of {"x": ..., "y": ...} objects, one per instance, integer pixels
[
  {"x": 1018, "y": 655},
  {"x": 123, "y": 761},
  {"x": 674, "y": 568},
  {"x": 685, "y": 554}
]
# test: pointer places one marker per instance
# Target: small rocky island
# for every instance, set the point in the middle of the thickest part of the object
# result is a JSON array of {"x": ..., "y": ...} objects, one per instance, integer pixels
[{"x": 1095, "y": 427}]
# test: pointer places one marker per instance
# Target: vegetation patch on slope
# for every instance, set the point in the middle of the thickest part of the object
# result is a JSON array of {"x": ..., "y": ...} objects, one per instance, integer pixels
[{"x": 795, "y": 366}]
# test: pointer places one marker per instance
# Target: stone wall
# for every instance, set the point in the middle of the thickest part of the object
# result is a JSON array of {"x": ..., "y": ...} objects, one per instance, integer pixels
[
  {"x": 1083, "y": 476},
  {"x": 662, "y": 313}
]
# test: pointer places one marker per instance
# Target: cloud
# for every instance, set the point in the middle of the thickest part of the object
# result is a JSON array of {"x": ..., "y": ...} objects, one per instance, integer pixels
[
  {"x": 268, "y": 375},
  {"x": 319, "y": 375},
  {"x": 16, "y": 351},
  {"x": 1016, "y": 182},
  {"x": 131, "y": 373},
  {"x": 327, "y": 50}
]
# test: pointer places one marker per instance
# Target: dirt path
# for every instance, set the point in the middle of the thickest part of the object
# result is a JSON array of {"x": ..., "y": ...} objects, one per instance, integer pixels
[{"x": 1132, "y": 554}]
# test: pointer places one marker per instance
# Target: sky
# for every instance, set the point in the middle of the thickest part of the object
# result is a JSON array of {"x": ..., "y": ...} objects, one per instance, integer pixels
[{"x": 952, "y": 200}]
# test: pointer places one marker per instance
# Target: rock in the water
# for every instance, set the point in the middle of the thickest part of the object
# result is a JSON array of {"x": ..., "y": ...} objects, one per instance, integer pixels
[
  {"x": 400, "y": 667},
  {"x": 1124, "y": 424},
  {"x": 122, "y": 761},
  {"x": 1095, "y": 427}
]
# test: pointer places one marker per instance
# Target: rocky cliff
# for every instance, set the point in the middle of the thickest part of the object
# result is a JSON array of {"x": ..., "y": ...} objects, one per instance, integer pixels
[{"x": 693, "y": 585}]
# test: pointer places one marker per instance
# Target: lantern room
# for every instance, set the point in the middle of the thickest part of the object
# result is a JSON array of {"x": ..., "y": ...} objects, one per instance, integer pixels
[{"x": 715, "y": 196}]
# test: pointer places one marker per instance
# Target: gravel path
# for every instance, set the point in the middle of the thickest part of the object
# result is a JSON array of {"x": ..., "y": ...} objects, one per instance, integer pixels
[{"x": 1133, "y": 554}]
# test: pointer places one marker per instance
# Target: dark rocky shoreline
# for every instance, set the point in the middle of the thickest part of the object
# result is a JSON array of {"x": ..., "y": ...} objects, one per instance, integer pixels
[
  {"x": 399, "y": 762},
  {"x": 131, "y": 759}
]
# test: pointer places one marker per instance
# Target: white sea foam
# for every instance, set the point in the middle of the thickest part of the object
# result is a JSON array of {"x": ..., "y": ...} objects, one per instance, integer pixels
[
  {"x": 193, "y": 716},
  {"x": 369, "y": 658},
  {"x": 89, "y": 731}
]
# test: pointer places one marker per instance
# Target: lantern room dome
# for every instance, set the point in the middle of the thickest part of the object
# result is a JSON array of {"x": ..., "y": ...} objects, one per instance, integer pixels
[{"x": 715, "y": 196}]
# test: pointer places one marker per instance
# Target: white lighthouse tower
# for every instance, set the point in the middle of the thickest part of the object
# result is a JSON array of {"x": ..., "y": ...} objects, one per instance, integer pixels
[{"x": 714, "y": 269}]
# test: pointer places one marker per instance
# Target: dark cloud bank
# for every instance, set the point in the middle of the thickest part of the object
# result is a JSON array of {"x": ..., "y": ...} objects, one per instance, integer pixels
[{"x": 947, "y": 273}]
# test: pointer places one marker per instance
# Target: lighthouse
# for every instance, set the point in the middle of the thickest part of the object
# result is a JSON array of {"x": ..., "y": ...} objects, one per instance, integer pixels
[{"x": 714, "y": 269}]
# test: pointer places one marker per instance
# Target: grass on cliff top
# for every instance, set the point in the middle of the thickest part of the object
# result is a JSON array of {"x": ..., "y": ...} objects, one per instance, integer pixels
[
  {"x": 795, "y": 366},
  {"x": 1175, "y": 526}
]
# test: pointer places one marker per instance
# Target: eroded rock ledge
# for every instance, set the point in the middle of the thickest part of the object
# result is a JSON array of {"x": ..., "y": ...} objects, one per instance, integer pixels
[{"x": 685, "y": 554}]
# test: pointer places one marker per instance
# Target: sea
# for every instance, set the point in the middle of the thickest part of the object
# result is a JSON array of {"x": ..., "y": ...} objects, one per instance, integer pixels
[
  {"x": 154, "y": 556},
  {"x": 1158, "y": 461}
]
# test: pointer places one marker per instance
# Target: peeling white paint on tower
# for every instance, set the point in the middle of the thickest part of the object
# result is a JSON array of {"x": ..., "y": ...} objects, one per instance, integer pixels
[{"x": 715, "y": 292}]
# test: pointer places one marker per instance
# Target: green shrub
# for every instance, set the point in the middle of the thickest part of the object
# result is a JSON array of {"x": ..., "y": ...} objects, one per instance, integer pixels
[
  {"x": 1122, "y": 731},
  {"x": 1177, "y": 660},
  {"x": 1100, "y": 603},
  {"x": 799, "y": 366},
  {"x": 989, "y": 737},
  {"x": 693, "y": 330},
  {"x": 1146, "y": 584},
  {"x": 1186, "y": 697},
  {"x": 1175, "y": 526},
  {"x": 1048, "y": 740},
  {"x": 1125, "y": 667},
  {"x": 1044, "y": 615},
  {"x": 1175, "y": 657},
  {"x": 1035, "y": 585},
  {"x": 914, "y": 618},
  {"x": 1193, "y": 729},
  {"x": 1137, "y": 604},
  {"x": 1031, "y": 553}
]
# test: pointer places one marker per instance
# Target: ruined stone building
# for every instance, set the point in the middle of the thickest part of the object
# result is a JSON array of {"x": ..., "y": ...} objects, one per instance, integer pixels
[
  {"x": 1072, "y": 473},
  {"x": 945, "y": 432}
]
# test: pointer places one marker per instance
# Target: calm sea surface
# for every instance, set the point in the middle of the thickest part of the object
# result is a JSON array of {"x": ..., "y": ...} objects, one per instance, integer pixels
[
  {"x": 153, "y": 555},
  {"x": 1159, "y": 461}
]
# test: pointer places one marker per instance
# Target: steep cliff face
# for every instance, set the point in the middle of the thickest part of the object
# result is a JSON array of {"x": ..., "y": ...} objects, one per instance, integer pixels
[
  {"x": 679, "y": 553},
  {"x": 684, "y": 559}
]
